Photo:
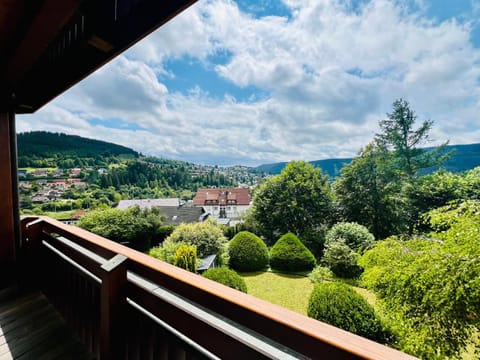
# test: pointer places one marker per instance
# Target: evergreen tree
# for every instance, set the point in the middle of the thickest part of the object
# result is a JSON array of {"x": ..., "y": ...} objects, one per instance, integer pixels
[
  {"x": 399, "y": 135},
  {"x": 369, "y": 192}
]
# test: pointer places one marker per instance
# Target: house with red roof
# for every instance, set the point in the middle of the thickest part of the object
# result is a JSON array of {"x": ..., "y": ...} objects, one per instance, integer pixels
[{"x": 223, "y": 203}]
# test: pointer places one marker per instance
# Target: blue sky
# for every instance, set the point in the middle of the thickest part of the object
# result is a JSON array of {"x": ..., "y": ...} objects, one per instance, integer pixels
[{"x": 251, "y": 82}]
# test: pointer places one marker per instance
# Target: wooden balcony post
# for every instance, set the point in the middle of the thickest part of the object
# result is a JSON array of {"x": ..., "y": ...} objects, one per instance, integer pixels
[
  {"x": 9, "y": 218},
  {"x": 30, "y": 267},
  {"x": 112, "y": 300}
]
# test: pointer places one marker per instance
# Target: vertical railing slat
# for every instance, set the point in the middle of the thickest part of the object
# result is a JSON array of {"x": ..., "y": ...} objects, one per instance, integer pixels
[{"x": 112, "y": 302}]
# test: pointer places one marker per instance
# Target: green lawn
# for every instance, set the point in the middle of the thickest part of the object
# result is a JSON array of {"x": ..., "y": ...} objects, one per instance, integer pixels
[
  {"x": 290, "y": 291},
  {"x": 293, "y": 292},
  {"x": 32, "y": 169},
  {"x": 60, "y": 215}
]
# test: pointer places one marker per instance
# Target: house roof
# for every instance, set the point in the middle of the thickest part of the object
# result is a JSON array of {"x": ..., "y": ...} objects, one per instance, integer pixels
[
  {"x": 238, "y": 196},
  {"x": 46, "y": 46},
  {"x": 149, "y": 203},
  {"x": 183, "y": 214}
]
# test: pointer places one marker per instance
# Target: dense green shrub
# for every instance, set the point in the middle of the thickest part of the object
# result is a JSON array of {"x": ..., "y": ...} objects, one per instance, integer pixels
[
  {"x": 314, "y": 240},
  {"x": 207, "y": 237},
  {"x": 226, "y": 277},
  {"x": 321, "y": 274},
  {"x": 339, "y": 305},
  {"x": 228, "y": 231},
  {"x": 157, "y": 252},
  {"x": 342, "y": 260},
  {"x": 133, "y": 227},
  {"x": 164, "y": 231},
  {"x": 355, "y": 236},
  {"x": 166, "y": 251},
  {"x": 186, "y": 257},
  {"x": 430, "y": 286},
  {"x": 247, "y": 252},
  {"x": 289, "y": 254}
]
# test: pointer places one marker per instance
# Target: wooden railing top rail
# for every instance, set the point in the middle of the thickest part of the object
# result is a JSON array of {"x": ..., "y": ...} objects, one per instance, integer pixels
[{"x": 279, "y": 324}]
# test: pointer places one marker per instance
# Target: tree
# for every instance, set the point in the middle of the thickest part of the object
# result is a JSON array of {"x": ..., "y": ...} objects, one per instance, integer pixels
[
  {"x": 398, "y": 134},
  {"x": 369, "y": 193},
  {"x": 299, "y": 200},
  {"x": 433, "y": 191},
  {"x": 430, "y": 287}
]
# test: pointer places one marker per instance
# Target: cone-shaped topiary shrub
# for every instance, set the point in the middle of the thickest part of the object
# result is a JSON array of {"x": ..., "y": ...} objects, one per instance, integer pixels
[
  {"x": 339, "y": 305},
  {"x": 247, "y": 252},
  {"x": 226, "y": 277},
  {"x": 289, "y": 254}
]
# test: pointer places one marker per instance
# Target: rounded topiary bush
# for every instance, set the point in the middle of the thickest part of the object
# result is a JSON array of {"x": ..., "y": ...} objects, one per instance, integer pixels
[
  {"x": 342, "y": 260},
  {"x": 339, "y": 305},
  {"x": 355, "y": 236},
  {"x": 289, "y": 254},
  {"x": 247, "y": 252},
  {"x": 226, "y": 277}
]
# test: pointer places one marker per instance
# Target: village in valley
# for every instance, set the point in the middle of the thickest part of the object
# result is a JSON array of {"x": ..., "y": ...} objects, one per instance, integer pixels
[{"x": 68, "y": 194}]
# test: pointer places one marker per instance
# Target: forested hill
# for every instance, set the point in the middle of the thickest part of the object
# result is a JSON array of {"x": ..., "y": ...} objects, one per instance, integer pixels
[
  {"x": 465, "y": 157},
  {"x": 38, "y": 146}
]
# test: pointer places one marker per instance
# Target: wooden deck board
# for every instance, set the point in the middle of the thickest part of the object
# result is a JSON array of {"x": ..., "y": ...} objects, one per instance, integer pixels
[{"x": 31, "y": 328}]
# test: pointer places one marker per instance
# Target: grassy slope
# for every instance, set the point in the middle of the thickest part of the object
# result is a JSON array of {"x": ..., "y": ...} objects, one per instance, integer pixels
[{"x": 290, "y": 291}]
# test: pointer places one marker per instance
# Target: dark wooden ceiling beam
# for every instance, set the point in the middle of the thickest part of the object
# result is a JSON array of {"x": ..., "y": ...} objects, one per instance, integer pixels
[
  {"x": 108, "y": 32},
  {"x": 57, "y": 43},
  {"x": 47, "y": 24}
]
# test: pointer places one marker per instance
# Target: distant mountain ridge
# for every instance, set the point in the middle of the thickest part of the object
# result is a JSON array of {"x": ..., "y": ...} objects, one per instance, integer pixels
[
  {"x": 465, "y": 157},
  {"x": 45, "y": 144},
  {"x": 42, "y": 145}
]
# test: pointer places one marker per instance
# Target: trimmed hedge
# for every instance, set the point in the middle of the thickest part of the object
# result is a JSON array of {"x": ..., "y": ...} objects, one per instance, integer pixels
[
  {"x": 356, "y": 236},
  {"x": 289, "y": 254},
  {"x": 226, "y": 277},
  {"x": 247, "y": 252},
  {"x": 339, "y": 305}
]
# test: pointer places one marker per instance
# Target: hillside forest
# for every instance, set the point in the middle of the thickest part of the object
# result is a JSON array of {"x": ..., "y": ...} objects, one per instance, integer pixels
[{"x": 388, "y": 223}]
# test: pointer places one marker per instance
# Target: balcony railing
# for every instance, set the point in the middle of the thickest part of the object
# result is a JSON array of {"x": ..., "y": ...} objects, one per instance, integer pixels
[{"x": 127, "y": 305}]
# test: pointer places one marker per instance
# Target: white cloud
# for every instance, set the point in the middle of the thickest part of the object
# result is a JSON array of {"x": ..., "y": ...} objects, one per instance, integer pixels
[{"x": 331, "y": 71}]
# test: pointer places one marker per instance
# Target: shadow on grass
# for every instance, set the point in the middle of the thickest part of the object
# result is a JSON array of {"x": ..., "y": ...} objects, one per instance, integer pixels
[{"x": 290, "y": 275}]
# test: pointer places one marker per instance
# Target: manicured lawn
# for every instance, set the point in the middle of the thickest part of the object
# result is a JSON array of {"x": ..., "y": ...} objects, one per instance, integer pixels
[
  {"x": 290, "y": 291},
  {"x": 368, "y": 295}
]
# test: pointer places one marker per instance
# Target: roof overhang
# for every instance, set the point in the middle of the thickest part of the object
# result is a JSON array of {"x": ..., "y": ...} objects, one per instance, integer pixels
[{"x": 46, "y": 46}]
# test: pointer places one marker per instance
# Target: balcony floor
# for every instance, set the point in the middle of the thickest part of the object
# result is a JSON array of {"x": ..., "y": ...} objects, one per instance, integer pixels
[{"x": 30, "y": 328}]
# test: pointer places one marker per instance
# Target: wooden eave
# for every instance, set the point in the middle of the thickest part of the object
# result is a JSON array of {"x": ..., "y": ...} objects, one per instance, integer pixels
[{"x": 46, "y": 46}]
